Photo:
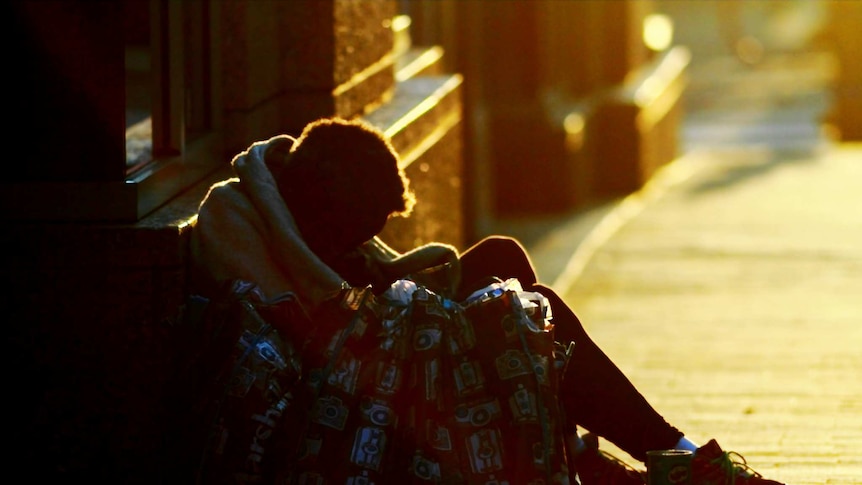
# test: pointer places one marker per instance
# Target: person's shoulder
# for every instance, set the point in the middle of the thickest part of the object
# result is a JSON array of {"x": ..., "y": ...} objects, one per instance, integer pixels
[
  {"x": 222, "y": 190},
  {"x": 224, "y": 196},
  {"x": 225, "y": 185}
]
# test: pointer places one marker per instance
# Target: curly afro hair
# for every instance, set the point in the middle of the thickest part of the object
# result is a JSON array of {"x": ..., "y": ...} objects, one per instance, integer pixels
[{"x": 342, "y": 180}]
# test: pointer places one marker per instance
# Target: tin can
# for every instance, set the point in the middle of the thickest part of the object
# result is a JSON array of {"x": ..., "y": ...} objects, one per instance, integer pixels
[{"x": 669, "y": 467}]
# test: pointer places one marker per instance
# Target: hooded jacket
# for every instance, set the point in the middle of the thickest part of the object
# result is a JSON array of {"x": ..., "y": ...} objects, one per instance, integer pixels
[{"x": 245, "y": 231}]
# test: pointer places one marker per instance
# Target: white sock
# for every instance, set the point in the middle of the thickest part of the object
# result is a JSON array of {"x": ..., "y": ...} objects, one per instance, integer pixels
[{"x": 685, "y": 444}]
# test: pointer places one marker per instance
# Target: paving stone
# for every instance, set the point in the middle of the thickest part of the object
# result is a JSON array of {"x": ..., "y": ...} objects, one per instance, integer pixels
[{"x": 730, "y": 289}]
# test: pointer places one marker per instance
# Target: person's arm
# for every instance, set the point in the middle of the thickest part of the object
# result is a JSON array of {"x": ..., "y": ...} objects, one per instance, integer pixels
[
  {"x": 387, "y": 264},
  {"x": 417, "y": 259},
  {"x": 379, "y": 250}
]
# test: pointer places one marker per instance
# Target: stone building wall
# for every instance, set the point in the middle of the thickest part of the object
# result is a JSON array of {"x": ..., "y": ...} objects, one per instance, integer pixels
[{"x": 95, "y": 310}]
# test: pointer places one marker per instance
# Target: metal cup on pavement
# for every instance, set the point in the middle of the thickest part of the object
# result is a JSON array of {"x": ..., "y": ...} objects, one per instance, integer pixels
[{"x": 669, "y": 467}]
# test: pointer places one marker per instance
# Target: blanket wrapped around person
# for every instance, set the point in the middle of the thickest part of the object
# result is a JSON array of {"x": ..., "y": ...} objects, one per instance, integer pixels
[{"x": 341, "y": 384}]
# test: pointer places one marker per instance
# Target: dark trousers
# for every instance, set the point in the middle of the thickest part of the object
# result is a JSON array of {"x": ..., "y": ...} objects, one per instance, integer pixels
[{"x": 596, "y": 395}]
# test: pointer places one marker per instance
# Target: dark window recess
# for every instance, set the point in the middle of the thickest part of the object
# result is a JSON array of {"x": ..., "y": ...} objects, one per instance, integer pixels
[{"x": 112, "y": 105}]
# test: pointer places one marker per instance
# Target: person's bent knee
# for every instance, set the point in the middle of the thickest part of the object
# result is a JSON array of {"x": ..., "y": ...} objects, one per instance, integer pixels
[{"x": 501, "y": 256}]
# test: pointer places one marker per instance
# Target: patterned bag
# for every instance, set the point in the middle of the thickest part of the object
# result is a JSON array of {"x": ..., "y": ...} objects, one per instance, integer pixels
[
  {"x": 403, "y": 387},
  {"x": 254, "y": 365}
]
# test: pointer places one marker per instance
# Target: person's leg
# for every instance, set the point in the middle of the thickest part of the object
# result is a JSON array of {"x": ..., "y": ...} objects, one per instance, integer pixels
[
  {"x": 495, "y": 256},
  {"x": 597, "y": 395}
]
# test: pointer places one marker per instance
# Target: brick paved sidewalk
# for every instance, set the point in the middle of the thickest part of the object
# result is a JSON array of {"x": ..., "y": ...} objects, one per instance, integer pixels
[
  {"x": 729, "y": 289},
  {"x": 730, "y": 292}
]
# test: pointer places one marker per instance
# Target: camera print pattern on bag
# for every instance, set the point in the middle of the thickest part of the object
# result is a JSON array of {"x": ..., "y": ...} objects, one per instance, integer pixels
[{"x": 427, "y": 390}]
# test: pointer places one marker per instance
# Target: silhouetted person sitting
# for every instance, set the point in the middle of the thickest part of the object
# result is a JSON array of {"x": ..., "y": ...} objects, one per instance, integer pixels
[{"x": 303, "y": 217}]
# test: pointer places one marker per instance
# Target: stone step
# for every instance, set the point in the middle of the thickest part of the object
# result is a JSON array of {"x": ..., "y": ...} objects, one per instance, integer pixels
[{"x": 423, "y": 119}]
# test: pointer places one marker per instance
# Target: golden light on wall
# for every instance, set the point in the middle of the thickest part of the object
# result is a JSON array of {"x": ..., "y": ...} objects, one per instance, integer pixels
[{"x": 658, "y": 31}]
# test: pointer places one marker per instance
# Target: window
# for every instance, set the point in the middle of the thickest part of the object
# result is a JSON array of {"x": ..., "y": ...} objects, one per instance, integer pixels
[
  {"x": 170, "y": 112},
  {"x": 114, "y": 106}
]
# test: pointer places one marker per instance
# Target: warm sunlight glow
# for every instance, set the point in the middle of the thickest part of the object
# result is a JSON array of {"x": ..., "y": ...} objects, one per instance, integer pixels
[
  {"x": 575, "y": 125},
  {"x": 658, "y": 31}
]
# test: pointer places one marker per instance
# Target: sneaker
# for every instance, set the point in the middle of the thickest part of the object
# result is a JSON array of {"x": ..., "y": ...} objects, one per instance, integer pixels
[
  {"x": 713, "y": 466},
  {"x": 597, "y": 467}
]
